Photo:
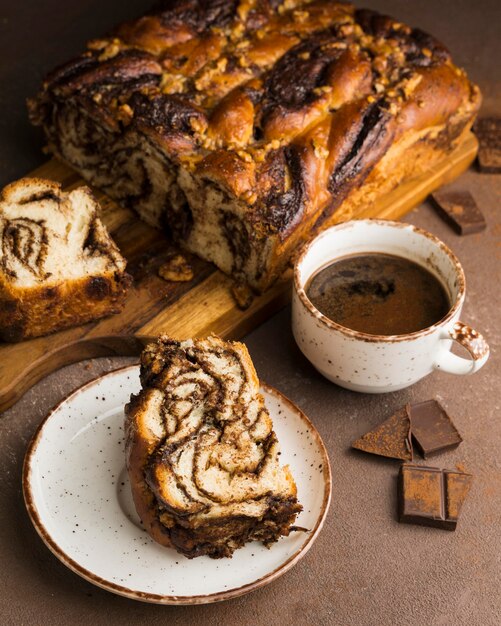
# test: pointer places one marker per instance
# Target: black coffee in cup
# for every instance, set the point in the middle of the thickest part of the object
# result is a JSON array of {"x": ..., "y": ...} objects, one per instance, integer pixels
[{"x": 379, "y": 294}]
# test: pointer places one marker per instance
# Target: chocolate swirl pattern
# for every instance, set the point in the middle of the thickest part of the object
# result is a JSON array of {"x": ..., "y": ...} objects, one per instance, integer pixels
[
  {"x": 24, "y": 246},
  {"x": 243, "y": 125},
  {"x": 201, "y": 452},
  {"x": 58, "y": 265}
]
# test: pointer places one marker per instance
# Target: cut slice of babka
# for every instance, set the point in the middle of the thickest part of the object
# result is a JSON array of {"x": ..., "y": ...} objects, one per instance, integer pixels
[
  {"x": 58, "y": 265},
  {"x": 202, "y": 456}
]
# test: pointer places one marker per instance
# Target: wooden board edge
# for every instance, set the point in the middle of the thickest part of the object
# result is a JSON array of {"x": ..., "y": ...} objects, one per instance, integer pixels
[{"x": 79, "y": 350}]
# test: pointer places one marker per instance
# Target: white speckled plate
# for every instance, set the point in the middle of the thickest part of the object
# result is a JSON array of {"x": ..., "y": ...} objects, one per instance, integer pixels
[{"x": 77, "y": 495}]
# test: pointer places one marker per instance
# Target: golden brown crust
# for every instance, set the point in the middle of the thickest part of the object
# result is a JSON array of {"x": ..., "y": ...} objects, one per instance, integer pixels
[
  {"x": 286, "y": 107},
  {"x": 33, "y": 312}
]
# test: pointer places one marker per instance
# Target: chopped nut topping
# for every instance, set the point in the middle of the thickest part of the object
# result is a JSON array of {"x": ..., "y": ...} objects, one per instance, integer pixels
[
  {"x": 250, "y": 196},
  {"x": 243, "y": 11},
  {"x": 320, "y": 151},
  {"x": 208, "y": 74},
  {"x": 411, "y": 84},
  {"x": 371, "y": 99},
  {"x": 335, "y": 44},
  {"x": 304, "y": 55},
  {"x": 427, "y": 52},
  {"x": 346, "y": 29},
  {"x": 300, "y": 16},
  {"x": 176, "y": 269},
  {"x": 380, "y": 64},
  {"x": 172, "y": 83},
  {"x": 125, "y": 113},
  {"x": 111, "y": 50},
  {"x": 318, "y": 91},
  {"x": 393, "y": 108},
  {"x": 245, "y": 156},
  {"x": 97, "y": 44},
  {"x": 286, "y": 6},
  {"x": 196, "y": 125},
  {"x": 237, "y": 32},
  {"x": 221, "y": 64}
]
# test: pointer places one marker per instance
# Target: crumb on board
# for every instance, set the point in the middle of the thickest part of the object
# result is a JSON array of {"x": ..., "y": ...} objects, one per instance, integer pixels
[
  {"x": 176, "y": 269},
  {"x": 243, "y": 295}
]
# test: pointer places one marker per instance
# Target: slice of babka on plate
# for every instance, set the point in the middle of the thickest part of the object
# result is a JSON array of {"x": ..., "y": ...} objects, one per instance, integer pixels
[
  {"x": 202, "y": 456},
  {"x": 58, "y": 265}
]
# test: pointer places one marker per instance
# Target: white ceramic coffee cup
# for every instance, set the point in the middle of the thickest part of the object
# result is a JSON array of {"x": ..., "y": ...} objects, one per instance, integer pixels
[{"x": 380, "y": 363}]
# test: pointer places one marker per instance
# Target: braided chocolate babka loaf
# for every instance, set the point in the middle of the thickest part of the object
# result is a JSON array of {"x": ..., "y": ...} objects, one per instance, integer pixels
[
  {"x": 202, "y": 457},
  {"x": 58, "y": 265},
  {"x": 241, "y": 125}
]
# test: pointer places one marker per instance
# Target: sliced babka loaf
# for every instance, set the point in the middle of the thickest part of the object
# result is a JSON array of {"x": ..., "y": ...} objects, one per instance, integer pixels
[
  {"x": 58, "y": 265},
  {"x": 243, "y": 125},
  {"x": 202, "y": 456}
]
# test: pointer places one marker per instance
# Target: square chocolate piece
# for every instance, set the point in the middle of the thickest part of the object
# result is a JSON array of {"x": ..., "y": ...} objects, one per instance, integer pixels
[
  {"x": 488, "y": 131},
  {"x": 432, "y": 429},
  {"x": 429, "y": 496},
  {"x": 460, "y": 211}
]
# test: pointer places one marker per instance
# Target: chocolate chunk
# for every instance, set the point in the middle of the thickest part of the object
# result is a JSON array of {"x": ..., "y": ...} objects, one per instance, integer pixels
[
  {"x": 392, "y": 438},
  {"x": 488, "y": 131},
  {"x": 460, "y": 211},
  {"x": 430, "y": 496},
  {"x": 432, "y": 428}
]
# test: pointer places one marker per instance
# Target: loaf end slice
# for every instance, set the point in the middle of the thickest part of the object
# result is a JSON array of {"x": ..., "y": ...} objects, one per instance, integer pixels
[{"x": 58, "y": 265}]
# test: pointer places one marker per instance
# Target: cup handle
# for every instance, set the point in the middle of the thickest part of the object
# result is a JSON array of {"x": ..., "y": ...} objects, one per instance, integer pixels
[{"x": 470, "y": 339}]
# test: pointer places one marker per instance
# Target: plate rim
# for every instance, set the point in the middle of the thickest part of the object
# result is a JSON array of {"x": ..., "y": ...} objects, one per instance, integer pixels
[{"x": 164, "y": 599}]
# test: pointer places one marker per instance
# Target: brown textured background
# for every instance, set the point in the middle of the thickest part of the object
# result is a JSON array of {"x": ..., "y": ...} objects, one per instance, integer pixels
[{"x": 365, "y": 568}]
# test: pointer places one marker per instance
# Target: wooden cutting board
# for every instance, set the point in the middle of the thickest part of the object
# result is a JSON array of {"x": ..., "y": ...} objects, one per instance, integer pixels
[{"x": 182, "y": 310}]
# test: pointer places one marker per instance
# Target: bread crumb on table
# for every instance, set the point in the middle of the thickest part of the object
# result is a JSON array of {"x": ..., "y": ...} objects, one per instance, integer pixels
[{"x": 176, "y": 269}]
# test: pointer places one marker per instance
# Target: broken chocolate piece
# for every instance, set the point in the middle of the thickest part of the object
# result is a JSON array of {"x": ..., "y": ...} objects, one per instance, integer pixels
[
  {"x": 176, "y": 269},
  {"x": 432, "y": 428},
  {"x": 430, "y": 496},
  {"x": 460, "y": 211},
  {"x": 488, "y": 131},
  {"x": 392, "y": 438}
]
